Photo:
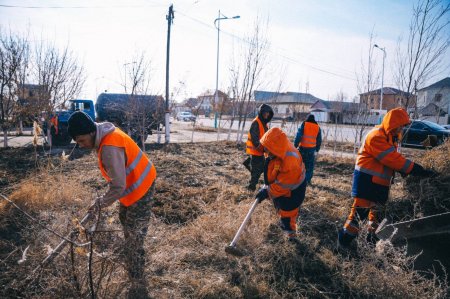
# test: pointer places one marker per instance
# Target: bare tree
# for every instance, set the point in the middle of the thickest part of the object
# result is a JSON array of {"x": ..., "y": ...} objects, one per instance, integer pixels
[
  {"x": 61, "y": 74},
  {"x": 427, "y": 44},
  {"x": 367, "y": 79},
  {"x": 246, "y": 75},
  {"x": 143, "y": 110},
  {"x": 14, "y": 51}
]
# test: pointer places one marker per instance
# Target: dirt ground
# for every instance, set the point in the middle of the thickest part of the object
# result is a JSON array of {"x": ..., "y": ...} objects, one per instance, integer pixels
[{"x": 199, "y": 204}]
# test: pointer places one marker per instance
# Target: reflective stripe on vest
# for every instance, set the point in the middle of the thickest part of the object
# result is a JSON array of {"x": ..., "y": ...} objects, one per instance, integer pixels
[
  {"x": 385, "y": 175},
  {"x": 385, "y": 153},
  {"x": 302, "y": 176},
  {"x": 140, "y": 172},
  {"x": 140, "y": 180},
  {"x": 251, "y": 149},
  {"x": 310, "y": 132}
]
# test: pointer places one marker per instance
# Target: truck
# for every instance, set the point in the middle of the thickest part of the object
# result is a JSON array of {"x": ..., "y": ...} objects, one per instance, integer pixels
[
  {"x": 136, "y": 115},
  {"x": 58, "y": 130}
]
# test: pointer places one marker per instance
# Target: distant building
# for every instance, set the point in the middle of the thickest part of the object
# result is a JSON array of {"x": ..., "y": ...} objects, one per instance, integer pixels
[
  {"x": 336, "y": 111},
  {"x": 434, "y": 101},
  {"x": 208, "y": 103},
  {"x": 33, "y": 99},
  {"x": 392, "y": 98},
  {"x": 294, "y": 105}
]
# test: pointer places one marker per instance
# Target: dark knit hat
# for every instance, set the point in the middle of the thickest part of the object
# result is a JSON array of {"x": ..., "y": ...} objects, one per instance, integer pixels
[{"x": 80, "y": 124}]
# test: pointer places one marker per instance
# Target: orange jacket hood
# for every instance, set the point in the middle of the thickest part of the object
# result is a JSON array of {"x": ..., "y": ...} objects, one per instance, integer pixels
[
  {"x": 276, "y": 141},
  {"x": 395, "y": 118}
]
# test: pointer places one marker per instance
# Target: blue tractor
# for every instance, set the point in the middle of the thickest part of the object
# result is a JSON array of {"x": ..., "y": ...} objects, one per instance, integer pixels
[{"x": 59, "y": 121}]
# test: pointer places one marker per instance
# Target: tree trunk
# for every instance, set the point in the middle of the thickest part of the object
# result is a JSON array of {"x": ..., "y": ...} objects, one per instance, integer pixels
[
  {"x": 5, "y": 138},
  {"x": 49, "y": 135},
  {"x": 20, "y": 127}
]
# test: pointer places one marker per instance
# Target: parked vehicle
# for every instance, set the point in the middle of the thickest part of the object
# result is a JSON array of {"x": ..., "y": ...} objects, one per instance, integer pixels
[
  {"x": 59, "y": 120},
  {"x": 185, "y": 116},
  {"x": 136, "y": 115},
  {"x": 447, "y": 127},
  {"x": 420, "y": 130}
]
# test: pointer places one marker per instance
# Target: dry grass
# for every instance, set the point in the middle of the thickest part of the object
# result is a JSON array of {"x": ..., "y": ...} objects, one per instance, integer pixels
[{"x": 199, "y": 204}]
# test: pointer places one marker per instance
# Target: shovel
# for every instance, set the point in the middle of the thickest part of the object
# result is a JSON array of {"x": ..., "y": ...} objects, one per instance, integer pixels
[{"x": 232, "y": 249}]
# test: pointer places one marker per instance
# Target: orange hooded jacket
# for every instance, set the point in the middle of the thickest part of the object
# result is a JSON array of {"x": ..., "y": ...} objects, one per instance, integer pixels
[
  {"x": 286, "y": 171},
  {"x": 378, "y": 158}
]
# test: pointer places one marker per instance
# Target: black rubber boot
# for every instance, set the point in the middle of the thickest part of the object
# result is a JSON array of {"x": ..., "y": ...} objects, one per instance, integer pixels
[{"x": 344, "y": 239}]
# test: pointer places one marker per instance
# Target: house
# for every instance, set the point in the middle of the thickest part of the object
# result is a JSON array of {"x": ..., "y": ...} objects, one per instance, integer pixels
[
  {"x": 32, "y": 100},
  {"x": 392, "y": 98},
  {"x": 337, "y": 112},
  {"x": 434, "y": 101},
  {"x": 293, "y": 105},
  {"x": 209, "y": 103}
]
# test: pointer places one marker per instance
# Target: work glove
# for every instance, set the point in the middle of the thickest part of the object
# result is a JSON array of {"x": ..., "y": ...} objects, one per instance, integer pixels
[
  {"x": 419, "y": 171},
  {"x": 262, "y": 194}
]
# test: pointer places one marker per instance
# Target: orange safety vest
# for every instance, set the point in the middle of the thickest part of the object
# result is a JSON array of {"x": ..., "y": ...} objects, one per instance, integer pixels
[
  {"x": 379, "y": 158},
  {"x": 310, "y": 132},
  {"x": 251, "y": 149},
  {"x": 286, "y": 172},
  {"x": 54, "y": 122},
  {"x": 140, "y": 170}
]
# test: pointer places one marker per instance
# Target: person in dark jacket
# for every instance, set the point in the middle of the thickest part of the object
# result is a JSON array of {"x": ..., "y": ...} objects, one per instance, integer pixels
[
  {"x": 254, "y": 147},
  {"x": 308, "y": 141}
]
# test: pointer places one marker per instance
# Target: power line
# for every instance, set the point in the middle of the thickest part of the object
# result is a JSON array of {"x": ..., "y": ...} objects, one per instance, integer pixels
[
  {"x": 77, "y": 7},
  {"x": 278, "y": 54}
]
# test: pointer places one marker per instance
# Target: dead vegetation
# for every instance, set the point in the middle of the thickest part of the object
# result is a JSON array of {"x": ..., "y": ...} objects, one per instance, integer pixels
[{"x": 199, "y": 204}]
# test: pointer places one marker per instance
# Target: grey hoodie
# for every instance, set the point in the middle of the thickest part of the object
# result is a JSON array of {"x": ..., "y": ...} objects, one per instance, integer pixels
[{"x": 114, "y": 161}]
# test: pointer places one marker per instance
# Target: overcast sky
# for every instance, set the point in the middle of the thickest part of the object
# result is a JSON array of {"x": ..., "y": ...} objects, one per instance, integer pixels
[{"x": 319, "y": 44}]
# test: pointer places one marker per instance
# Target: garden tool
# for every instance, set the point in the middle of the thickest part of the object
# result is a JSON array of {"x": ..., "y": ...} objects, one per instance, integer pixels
[{"x": 232, "y": 249}]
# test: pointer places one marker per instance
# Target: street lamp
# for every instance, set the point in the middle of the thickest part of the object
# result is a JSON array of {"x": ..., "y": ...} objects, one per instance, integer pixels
[
  {"x": 382, "y": 75},
  {"x": 221, "y": 17}
]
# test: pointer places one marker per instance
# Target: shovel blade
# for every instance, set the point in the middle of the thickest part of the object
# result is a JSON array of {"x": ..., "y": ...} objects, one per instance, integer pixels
[{"x": 233, "y": 250}]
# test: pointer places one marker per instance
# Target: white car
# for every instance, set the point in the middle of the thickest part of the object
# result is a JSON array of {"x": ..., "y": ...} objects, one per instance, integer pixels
[{"x": 185, "y": 116}]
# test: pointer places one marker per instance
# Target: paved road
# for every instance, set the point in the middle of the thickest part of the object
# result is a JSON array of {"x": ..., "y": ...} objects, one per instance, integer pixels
[
  {"x": 341, "y": 133},
  {"x": 205, "y": 132}
]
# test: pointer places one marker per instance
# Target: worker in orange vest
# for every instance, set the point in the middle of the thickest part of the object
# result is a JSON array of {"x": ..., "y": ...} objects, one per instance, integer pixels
[
  {"x": 131, "y": 177},
  {"x": 308, "y": 141},
  {"x": 376, "y": 162},
  {"x": 253, "y": 147},
  {"x": 284, "y": 177},
  {"x": 54, "y": 123}
]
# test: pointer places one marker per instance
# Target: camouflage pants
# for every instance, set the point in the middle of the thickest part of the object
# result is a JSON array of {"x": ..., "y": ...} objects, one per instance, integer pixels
[{"x": 135, "y": 220}]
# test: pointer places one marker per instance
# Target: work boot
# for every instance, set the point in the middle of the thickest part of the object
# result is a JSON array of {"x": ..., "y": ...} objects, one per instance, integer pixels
[
  {"x": 344, "y": 239},
  {"x": 251, "y": 187},
  {"x": 138, "y": 290}
]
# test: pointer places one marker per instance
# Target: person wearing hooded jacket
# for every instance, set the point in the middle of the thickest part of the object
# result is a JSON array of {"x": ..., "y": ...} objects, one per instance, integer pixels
[
  {"x": 253, "y": 146},
  {"x": 308, "y": 141},
  {"x": 284, "y": 178},
  {"x": 131, "y": 177},
  {"x": 376, "y": 162}
]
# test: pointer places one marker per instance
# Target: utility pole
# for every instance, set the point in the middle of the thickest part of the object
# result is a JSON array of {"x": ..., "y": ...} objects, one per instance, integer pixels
[{"x": 170, "y": 16}]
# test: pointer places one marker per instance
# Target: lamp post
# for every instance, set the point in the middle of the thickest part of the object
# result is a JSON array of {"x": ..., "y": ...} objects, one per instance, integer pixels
[
  {"x": 220, "y": 17},
  {"x": 382, "y": 75}
]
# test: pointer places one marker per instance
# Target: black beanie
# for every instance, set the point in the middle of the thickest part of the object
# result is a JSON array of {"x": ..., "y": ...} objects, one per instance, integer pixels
[{"x": 80, "y": 124}]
